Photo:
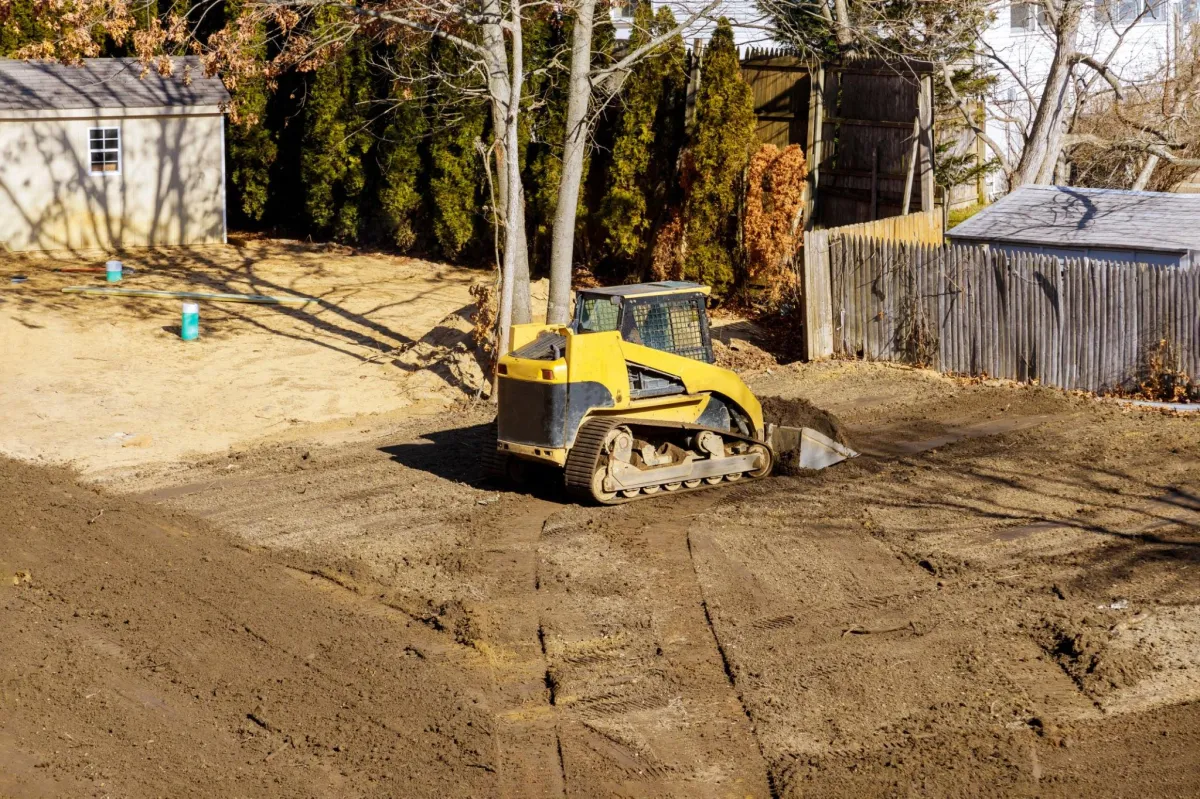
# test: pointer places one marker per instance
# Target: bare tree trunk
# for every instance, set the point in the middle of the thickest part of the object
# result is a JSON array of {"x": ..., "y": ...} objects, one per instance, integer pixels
[
  {"x": 1045, "y": 139},
  {"x": 512, "y": 167},
  {"x": 500, "y": 89},
  {"x": 522, "y": 303},
  {"x": 579, "y": 95},
  {"x": 843, "y": 32}
]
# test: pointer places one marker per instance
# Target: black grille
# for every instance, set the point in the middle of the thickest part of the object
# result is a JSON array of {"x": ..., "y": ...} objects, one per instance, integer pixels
[
  {"x": 546, "y": 347},
  {"x": 671, "y": 324},
  {"x": 531, "y": 412}
]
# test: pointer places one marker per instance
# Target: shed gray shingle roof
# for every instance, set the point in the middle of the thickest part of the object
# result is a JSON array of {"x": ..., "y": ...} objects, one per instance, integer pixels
[
  {"x": 1064, "y": 216},
  {"x": 105, "y": 83}
]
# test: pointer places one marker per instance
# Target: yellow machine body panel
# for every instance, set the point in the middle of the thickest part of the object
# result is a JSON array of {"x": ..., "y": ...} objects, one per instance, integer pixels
[{"x": 554, "y": 378}]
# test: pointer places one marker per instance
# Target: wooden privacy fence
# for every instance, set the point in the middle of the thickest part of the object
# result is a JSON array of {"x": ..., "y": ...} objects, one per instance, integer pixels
[
  {"x": 1072, "y": 323},
  {"x": 925, "y": 226}
]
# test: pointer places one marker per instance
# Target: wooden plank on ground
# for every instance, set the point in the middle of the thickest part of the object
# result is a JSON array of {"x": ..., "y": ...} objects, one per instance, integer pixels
[{"x": 106, "y": 291}]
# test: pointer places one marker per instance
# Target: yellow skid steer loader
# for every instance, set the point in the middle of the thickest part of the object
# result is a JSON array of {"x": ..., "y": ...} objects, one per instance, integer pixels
[{"x": 628, "y": 402}]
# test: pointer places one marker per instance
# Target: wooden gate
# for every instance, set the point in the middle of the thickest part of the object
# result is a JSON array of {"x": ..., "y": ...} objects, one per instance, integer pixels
[
  {"x": 873, "y": 150},
  {"x": 866, "y": 127}
]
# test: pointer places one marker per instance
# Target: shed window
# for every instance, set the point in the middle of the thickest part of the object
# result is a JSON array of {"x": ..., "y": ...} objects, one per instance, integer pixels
[{"x": 104, "y": 150}]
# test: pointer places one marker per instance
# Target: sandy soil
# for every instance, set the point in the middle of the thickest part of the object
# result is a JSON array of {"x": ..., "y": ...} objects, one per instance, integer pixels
[
  {"x": 112, "y": 384},
  {"x": 998, "y": 598}
]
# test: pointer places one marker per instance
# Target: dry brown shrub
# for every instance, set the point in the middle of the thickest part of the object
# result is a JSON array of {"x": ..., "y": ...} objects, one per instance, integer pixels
[
  {"x": 774, "y": 194},
  {"x": 584, "y": 278},
  {"x": 483, "y": 321},
  {"x": 1163, "y": 379},
  {"x": 670, "y": 248}
]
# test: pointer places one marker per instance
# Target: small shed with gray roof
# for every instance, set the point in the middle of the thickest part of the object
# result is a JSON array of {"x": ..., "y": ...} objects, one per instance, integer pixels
[
  {"x": 111, "y": 153},
  {"x": 1102, "y": 224}
]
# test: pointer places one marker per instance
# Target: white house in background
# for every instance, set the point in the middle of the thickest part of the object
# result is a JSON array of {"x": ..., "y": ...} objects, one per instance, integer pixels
[
  {"x": 1019, "y": 52},
  {"x": 103, "y": 156},
  {"x": 751, "y": 27}
]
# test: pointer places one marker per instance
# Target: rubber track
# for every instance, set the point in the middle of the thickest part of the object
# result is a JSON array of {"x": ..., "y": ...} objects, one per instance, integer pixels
[
  {"x": 589, "y": 441},
  {"x": 494, "y": 461}
]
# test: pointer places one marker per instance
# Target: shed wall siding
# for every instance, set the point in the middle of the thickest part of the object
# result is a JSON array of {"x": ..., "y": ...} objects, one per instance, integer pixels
[{"x": 170, "y": 189}]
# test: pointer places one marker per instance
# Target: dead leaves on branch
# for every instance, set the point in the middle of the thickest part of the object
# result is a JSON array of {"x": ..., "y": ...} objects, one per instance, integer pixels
[{"x": 774, "y": 198}]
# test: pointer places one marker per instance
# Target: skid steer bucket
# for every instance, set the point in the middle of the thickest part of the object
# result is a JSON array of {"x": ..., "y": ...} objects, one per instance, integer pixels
[{"x": 813, "y": 450}]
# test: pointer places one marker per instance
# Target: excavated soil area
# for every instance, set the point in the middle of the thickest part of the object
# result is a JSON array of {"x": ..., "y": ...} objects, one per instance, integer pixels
[{"x": 999, "y": 597}]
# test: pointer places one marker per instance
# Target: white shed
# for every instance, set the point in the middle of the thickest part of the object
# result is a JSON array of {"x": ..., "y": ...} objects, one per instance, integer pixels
[{"x": 108, "y": 154}]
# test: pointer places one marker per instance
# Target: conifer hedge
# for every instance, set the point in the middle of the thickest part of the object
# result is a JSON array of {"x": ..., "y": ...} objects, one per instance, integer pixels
[{"x": 346, "y": 150}]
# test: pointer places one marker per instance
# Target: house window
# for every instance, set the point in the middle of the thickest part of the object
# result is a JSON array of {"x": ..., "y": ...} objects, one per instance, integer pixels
[
  {"x": 104, "y": 150},
  {"x": 1127, "y": 12},
  {"x": 1027, "y": 16},
  {"x": 1189, "y": 11}
]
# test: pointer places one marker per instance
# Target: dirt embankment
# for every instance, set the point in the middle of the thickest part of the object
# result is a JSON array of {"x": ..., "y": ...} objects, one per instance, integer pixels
[{"x": 147, "y": 655}]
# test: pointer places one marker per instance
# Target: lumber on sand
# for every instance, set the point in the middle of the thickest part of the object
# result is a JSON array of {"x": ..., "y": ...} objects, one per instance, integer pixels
[{"x": 261, "y": 299}]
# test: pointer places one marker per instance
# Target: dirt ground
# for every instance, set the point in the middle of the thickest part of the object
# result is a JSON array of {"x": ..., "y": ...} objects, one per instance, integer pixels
[
  {"x": 113, "y": 385},
  {"x": 999, "y": 597}
]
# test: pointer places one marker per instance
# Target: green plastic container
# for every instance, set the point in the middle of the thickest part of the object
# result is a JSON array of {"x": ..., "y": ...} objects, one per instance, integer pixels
[
  {"x": 190, "y": 329},
  {"x": 112, "y": 271}
]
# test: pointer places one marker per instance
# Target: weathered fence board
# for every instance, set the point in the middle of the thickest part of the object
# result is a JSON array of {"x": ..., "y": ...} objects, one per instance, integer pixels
[
  {"x": 825, "y": 331},
  {"x": 1074, "y": 323}
]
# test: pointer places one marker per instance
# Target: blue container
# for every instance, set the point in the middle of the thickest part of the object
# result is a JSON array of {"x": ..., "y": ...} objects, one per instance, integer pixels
[
  {"x": 112, "y": 271},
  {"x": 190, "y": 329}
]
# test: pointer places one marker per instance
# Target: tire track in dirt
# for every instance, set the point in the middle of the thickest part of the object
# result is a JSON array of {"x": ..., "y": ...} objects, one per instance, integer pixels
[
  {"x": 645, "y": 706},
  {"x": 510, "y": 636}
]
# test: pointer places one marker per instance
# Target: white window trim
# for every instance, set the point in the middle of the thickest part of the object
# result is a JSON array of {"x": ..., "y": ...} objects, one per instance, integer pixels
[{"x": 120, "y": 151}]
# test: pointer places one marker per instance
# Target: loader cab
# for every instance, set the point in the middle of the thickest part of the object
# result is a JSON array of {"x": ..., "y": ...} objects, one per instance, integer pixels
[{"x": 670, "y": 315}]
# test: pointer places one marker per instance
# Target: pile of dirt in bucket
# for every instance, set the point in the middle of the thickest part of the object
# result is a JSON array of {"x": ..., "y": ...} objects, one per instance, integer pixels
[{"x": 798, "y": 412}]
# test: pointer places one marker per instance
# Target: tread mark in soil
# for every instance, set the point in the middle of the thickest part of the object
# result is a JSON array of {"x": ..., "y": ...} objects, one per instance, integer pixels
[{"x": 772, "y": 785}]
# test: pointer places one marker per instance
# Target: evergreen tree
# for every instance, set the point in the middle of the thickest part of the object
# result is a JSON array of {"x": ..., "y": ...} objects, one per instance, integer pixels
[
  {"x": 719, "y": 153},
  {"x": 336, "y": 137},
  {"x": 252, "y": 147},
  {"x": 542, "y": 125},
  {"x": 399, "y": 159},
  {"x": 21, "y": 25},
  {"x": 457, "y": 183},
  {"x": 647, "y": 142}
]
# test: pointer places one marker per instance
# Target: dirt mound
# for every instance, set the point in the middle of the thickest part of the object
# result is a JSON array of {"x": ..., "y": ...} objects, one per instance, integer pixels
[
  {"x": 146, "y": 638},
  {"x": 742, "y": 356},
  {"x": 446, "y": 361}
]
